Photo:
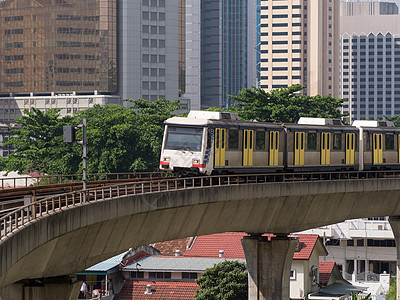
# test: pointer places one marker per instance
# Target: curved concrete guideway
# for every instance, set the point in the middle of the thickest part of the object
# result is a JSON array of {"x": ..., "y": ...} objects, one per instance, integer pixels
[{"x": 75, "y": 238}]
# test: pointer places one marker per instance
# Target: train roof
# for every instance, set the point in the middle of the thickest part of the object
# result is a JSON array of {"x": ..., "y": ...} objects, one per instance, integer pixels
[
  {"x": 320, "y": 128},
  {"x": 181, "y": 121}
]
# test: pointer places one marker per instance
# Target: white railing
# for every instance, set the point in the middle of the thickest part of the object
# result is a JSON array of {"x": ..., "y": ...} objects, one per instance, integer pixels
[
  {"x": 25, "y": 181},
  {"x": 368, "y": 225},
  {"x": 20, "y": 217}
]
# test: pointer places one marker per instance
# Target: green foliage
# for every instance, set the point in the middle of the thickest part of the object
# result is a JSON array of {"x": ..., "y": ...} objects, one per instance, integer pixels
[
  {"x": 120, "y": 139},
  {"x": 395, "y": 120},
  {"x": 226, "y": 280},
  {"x": 40, "y": 144},
  {"x": 355, "y": 296},
  {"x": 285, "y": 105},
  {"x": 391, "y": 294}
]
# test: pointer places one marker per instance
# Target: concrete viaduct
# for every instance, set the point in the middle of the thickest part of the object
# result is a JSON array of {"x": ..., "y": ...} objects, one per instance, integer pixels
[{"x": 54, "y": 238}]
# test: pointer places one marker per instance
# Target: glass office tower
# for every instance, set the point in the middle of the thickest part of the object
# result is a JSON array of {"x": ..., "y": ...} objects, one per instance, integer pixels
[{"x": 58, "y": 46}]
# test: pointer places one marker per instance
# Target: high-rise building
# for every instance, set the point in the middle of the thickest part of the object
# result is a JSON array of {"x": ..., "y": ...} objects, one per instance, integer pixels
[
  {"x": 72, "y": 54},
  {"x": 57, "y": 49},
  {"x": 370, "y": 68},
  {"x": 368, "y": 8},
  {"x": 149, "y": 49},
  {"x": 221, "y": 50},
  {"x": 300, "y": 45}
]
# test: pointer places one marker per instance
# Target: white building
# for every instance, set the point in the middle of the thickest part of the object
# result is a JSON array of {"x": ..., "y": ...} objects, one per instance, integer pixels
[{"x": 363, "y": 248}]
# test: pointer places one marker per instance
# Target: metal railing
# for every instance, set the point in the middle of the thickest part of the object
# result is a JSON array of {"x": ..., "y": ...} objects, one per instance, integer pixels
[
  {"x": 55, "y": 204},
  {"x": 25, "y": 181}
]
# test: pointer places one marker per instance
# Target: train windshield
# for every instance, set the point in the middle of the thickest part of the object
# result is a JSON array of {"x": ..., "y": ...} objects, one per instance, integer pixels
[{"x": 184, "y": 138}]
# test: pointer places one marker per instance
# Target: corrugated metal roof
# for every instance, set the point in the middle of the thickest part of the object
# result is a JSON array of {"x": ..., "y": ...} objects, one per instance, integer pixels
[
  {"x": 106, "y": 265},
  {"x": 175, "y": 263}
]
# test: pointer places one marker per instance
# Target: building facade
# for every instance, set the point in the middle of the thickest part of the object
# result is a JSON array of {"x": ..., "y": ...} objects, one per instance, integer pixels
[
  {"x": 57, "y": 54},
  {"x": 364, "y": 248},
  {"x": 72, "y": 54},
  {"x": 149, "y": 49},
  {"x": 221, "y": 50},
  {"x": 300, "y": 45},
  {"x": 370, "y": 69}
]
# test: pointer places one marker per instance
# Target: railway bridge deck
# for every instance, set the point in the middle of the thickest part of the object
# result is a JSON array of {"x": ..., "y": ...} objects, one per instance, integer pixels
[{"x": 64, "y": 234}]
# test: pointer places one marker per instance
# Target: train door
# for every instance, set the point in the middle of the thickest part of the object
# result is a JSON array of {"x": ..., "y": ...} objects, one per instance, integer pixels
[
  {"x": 220, "y": 146},
  {"x": 377, "y": 146},
  {"x": 350, "y": 148},
  {"x": 299, "y": 145},
  {"x": 325, "y": 148},
  {"x": 398, "y": 145},
  {"x": 248, "y": 142},
  {"x": 273, "y": 148}
]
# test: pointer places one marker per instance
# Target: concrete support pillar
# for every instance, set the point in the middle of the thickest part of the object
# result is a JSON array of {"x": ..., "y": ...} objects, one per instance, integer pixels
[
  {"x": 43, "y": 289},
  {"x": 395, "y": 224},
  {"x": 354, "y": 276},
  {"x": 268, "y": 264},
  {"x": 366, "y": 270}
]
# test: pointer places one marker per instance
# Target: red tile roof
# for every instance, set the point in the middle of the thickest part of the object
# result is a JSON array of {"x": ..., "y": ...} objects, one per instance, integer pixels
[
  {"x": 230, "y": 242},
  {"x": 159, "y": 290},
  {"x": 169, "y": 247},
  {"x": 209, "y": 245},
  {"x": 325, "y": 271},
  {"x": 305, "y": 246}
]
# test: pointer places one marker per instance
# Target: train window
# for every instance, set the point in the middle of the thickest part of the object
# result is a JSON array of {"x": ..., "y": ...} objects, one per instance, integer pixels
[
  {"x": 368, "y": 142},
  {"x": 233, "y": 139},
  {"x": 389, "y": 142},
  {"x": 260, "y": 140},
  {"x": 209, "y": 134},
  {"x": 311, "y": 141},
  {"x": 184, "y": 138},
  {"x": 337, "y": 141}
]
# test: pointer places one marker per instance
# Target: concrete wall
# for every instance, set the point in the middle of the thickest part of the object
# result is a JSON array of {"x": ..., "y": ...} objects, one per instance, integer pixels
[{"x": 77, "y": 238}]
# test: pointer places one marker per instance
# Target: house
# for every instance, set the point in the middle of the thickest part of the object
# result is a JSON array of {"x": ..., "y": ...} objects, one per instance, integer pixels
[{"x": 169, "y": 269}]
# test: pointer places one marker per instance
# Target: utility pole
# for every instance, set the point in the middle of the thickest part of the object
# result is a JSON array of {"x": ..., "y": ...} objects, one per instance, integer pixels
[
  {"x": 84, "y": 155},
  {"x": 69, "y": 137}
]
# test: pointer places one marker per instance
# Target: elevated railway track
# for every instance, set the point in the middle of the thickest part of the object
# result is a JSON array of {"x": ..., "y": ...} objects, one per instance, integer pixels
[{"x": 20, "y": 193}]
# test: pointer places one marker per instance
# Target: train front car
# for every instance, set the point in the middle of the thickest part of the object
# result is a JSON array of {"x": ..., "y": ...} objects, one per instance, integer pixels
[{"x": 186, "y": 148}]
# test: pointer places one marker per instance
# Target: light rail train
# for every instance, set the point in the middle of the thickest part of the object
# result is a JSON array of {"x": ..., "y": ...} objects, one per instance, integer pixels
[{"x": 210, "y": 143}]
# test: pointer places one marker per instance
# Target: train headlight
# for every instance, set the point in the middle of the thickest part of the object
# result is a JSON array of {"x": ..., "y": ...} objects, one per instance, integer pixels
[
  {"x": 195, "y": 161},
  {"x": 166, "y": 159}
]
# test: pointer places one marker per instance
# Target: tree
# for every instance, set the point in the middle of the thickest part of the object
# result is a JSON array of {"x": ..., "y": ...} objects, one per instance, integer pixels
[
  {"x": 392, "y": 293},
  {"x": 285, "y": 105},
  {"x": 120, "y": 139},
  {"x": 226, "y": 280},
  {"x": 39, "y": 144},
  {"x": 395, "y": 120}
]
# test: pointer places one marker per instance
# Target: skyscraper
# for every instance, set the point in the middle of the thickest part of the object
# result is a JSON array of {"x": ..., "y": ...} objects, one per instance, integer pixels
[
  {"x": 370, "y": 56},
  {"x": 222, "y": 58},
  {"x": 72, "y": 54},
  {"x": 300, "y": 45},
  {"x": 51, "y": 48}
]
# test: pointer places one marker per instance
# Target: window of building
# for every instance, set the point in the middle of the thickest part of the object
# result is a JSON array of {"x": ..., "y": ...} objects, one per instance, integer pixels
[
  {"x": 332, "y": 242},
  {"x": 189, "y": 275},
  {"x": 137, "y": 274},
  {"x": 293, "y": 274}
]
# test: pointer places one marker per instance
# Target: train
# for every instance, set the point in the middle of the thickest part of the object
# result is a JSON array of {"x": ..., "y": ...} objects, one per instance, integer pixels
[{"x": 211, "y": 143}]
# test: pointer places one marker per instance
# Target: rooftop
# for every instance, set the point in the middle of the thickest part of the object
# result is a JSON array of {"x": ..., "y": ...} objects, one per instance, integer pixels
[
  {"x": 159, "y": 290},
  {"x": 174, "y": 264}
]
